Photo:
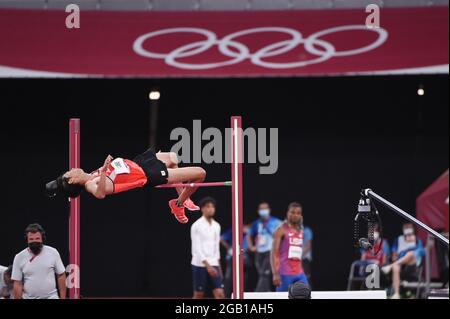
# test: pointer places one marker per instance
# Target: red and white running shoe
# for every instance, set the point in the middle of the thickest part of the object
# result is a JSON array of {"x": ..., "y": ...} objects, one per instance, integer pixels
[
  {"x": 189, "y": 204},
  {"x": 178, "y": 211}
]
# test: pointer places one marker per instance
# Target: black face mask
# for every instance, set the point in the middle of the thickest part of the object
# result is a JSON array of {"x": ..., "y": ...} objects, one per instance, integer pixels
[{"x": 35, "y": 247}]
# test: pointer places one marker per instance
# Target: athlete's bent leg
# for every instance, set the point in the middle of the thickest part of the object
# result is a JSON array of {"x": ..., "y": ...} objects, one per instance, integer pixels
[
  {"x": 186, "y": 174},
  {"x": 170, "y": 159}
]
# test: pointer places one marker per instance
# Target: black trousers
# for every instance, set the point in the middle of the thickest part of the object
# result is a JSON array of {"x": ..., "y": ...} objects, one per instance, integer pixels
[{"x": 262, "y": 264}]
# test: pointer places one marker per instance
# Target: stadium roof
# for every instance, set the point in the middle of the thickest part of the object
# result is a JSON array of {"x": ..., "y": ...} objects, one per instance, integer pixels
[{"x": 194, "y": 5}]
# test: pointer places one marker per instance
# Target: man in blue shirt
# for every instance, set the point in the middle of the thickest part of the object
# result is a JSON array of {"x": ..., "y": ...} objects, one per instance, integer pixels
[
  {"x": 407, "y": 254},
  {"x": 260, "y": 237}
]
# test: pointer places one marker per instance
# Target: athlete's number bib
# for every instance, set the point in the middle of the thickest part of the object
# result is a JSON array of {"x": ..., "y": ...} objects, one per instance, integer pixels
[
  {"x": 295, "y": 252},
  {"x": 120, "y": 167}
]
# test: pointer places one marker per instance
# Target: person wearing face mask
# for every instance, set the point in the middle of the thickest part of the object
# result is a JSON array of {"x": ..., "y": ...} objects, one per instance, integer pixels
[
  {"x": 35, "y": 267},
  {"x": 380, "y": 252},
  {"x": 407, "y": 254},
  {"x": 378, "y": 255},
  {"x": 260, "y": 237}
]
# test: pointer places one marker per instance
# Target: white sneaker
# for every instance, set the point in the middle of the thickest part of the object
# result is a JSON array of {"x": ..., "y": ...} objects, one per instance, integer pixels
[
  {"x": 386, "y": 269},
  {"x": 395, "y": 296}
]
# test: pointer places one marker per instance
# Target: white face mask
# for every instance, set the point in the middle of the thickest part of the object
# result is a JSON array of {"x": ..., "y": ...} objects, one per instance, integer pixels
[
  {"x": 408, "y": 231},
  {"x": 264, "y": 212},
  {"x": 376, "y": 235}
]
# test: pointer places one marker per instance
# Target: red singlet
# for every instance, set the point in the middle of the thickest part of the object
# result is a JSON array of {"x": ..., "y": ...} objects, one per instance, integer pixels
[
  {"x": 291, "y": 251},
  {"x": 125, "y": 175}
]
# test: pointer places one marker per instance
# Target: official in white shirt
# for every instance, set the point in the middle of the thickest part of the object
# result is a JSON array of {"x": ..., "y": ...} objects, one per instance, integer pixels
[
  {"x": 205, "y": 237},
  {"x": 6, "y": 283},
  {"x": 35, "y": 268}
]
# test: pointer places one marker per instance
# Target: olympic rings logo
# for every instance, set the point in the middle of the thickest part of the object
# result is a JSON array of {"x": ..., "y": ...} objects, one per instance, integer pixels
[{"x": 323, "y": 50}]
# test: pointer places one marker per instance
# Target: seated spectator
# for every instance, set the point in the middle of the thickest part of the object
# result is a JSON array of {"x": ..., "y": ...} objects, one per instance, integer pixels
[
  {"x": 379, "y": 255},
  {"x": 6, "y": 284},
  {"x": 407, "y": 254}
]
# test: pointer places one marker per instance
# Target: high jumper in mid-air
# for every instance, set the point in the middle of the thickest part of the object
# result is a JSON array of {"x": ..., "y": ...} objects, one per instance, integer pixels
[{"x": 117, "y": 175}]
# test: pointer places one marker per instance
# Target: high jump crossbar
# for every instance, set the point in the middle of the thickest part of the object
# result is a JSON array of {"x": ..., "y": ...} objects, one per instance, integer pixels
[
  {"x": 210, "y": 184},
  {"x": 236, "y": 200}
]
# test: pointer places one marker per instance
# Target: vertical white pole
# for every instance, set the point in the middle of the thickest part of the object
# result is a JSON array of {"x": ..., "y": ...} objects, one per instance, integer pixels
[{"x": 236, "y": 175}]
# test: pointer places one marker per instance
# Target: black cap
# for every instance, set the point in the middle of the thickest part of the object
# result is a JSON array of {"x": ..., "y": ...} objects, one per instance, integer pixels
[
  {"x": 299, "y": 290},
  {"x": 61, "y": 186}
]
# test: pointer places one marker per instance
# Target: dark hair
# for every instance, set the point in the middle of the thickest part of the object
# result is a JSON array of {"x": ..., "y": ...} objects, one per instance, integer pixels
[
  {"x": 263, "y": 202},
  {"x": 294, "y": 205},
  {"x": 68, "y": 190},
  {"x": 8, "y": 271},
  {"x": 207, "y": 200},
  {"x": 35, "y": 228}
]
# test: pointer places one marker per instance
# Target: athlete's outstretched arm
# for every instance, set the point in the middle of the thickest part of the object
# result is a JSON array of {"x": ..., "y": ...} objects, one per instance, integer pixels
[{"x": 275, "y": 254}]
